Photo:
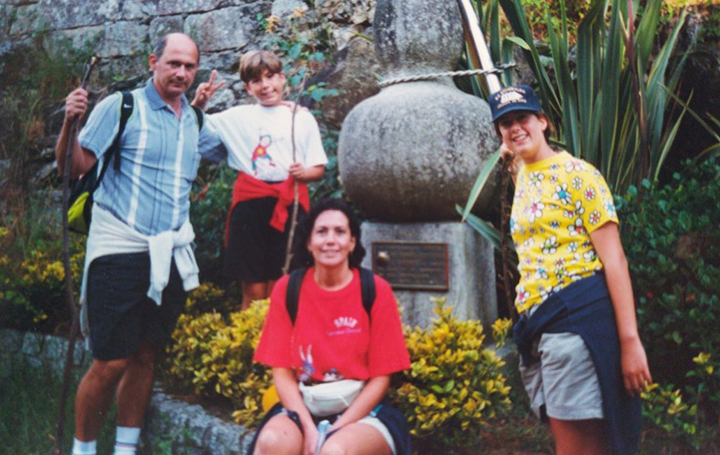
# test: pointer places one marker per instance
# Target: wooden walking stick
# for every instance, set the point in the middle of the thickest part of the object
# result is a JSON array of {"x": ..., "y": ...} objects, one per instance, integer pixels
[
  {"x": 296, "y": 199},
  {"x": 70, "y": 298},
  {"x": 504, "y": 247}
]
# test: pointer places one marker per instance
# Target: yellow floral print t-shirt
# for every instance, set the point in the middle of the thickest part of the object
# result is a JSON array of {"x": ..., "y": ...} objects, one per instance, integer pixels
[{"x": 558, "y": 202}]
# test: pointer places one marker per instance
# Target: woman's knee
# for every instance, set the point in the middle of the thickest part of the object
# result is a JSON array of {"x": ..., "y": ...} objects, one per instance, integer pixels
[
  {"x": 278, "y": 439},
  {"x": 333, "y": 448}
]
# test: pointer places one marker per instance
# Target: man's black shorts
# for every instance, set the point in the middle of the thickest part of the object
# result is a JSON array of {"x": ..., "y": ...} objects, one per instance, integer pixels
[
  {"x": 121, "y": 314},
  {"x": 255, "y": 251}
]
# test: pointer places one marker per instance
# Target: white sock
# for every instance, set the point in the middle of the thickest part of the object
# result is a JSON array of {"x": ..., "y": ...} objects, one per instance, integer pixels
[
  {"x": 84, "y": 448},
  {"x": 126, "y": 440}
]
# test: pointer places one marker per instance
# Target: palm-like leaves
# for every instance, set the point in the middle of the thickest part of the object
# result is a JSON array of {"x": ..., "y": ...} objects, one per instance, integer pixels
[{"x": 610, "y": 109}]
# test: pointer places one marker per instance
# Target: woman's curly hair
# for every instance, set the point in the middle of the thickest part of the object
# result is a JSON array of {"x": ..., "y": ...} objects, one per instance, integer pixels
[{"x": 301, "y": 255}]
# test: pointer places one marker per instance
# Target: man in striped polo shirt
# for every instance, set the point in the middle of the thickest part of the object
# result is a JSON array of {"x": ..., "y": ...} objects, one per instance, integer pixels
[{"x": 139, "y": 260}]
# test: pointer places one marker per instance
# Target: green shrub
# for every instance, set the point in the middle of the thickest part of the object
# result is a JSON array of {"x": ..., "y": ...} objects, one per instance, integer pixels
[
  {"x": 210, "y": 203},
  {"x": 672, "y": 243}
]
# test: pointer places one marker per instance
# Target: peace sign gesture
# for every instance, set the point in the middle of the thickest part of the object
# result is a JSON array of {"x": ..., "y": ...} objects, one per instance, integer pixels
[{"x": 206, "y": 90}]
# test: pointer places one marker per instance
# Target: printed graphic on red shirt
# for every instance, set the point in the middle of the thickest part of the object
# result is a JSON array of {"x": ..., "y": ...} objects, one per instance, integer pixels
[{"x": 333, "y": 336}]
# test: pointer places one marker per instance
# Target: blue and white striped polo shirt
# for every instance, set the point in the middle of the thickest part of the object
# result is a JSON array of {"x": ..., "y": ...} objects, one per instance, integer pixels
[{"x": 159, "y": 157}]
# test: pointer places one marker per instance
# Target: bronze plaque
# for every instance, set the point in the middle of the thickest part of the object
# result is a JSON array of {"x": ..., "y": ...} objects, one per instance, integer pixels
[{"x": 412, "y": 265}]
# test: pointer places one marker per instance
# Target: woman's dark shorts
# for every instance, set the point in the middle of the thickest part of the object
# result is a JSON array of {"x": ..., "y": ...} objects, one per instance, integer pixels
[
  {"x": 255, "y": 251},
  {"x": 121, "y": 314}
]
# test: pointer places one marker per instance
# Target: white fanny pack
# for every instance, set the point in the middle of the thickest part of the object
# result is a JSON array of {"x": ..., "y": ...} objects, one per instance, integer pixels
[{"x": 330, "y": 397}]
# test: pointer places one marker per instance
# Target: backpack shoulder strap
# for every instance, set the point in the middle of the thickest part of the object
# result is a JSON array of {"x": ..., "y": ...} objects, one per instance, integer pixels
[
  {"x": 126, "y": 109},
  {"x": 292, "y": 295},
  {"x": 367, "y": 287},
  {"x": 199, "y": 115}
]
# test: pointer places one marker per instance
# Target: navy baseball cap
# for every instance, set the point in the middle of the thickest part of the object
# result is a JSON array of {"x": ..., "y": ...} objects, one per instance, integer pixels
[{"x": 514, "y": 98}]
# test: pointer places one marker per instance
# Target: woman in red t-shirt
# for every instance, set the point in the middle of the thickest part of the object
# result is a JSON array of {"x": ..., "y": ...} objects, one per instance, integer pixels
[{"x": 333, "y": 338}]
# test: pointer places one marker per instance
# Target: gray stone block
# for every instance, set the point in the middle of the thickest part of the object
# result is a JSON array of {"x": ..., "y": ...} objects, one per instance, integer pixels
[
  {"x": 63, "y": 14},
  {"x": 34, "y": 362},
  {"x": 32, "y": 344},
  {"x": 11, "y": 341},
  {"x": 471, "y": 269},
  {"x": 27, "y": 20},
  {"x": 6, "y": 12},
  {"x": 160, "y": 26},
  {"x": 82, "y": 357},
  {"x": 285, "y": 8},
  {"x": 224, "y": 29},
  {"x": 18, "y": 2},
  {"x": 126, "y": 9},
  {"x": 190, "y": 430},
  {"x": 165, "y": 7},
  {"x": 348, "y": 11},
  {"x": 55, "y": 349},
  {"x": 124, "y": 38},
  {"x": 111, "y": 70},
  {"x": 84, "y": 39}
]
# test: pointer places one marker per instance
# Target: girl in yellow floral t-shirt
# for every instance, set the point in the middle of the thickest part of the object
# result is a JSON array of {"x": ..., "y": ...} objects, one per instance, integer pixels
[{"x": 565, "y": 231}]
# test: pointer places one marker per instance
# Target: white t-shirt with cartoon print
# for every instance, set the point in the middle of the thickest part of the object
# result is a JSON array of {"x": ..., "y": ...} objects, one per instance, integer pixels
[{"x": 259, "y": 140}]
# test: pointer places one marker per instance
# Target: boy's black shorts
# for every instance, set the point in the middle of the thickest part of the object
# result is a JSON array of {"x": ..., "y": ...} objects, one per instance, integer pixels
[
  {"x": 121, "y": 314},
  {"x": 255, "y": 251}
]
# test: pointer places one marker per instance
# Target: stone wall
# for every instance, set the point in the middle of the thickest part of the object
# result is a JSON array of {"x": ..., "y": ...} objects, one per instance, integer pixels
[
  {"x": 176, "y": 426},
  {"x": 122, "y": 32}
]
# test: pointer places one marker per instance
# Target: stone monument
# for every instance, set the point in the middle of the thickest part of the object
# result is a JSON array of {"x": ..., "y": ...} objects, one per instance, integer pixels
[{"x": 412, "y": 152}]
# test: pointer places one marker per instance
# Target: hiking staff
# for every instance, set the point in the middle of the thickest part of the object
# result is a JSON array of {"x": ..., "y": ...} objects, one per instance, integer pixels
[
  {"x": 70, "y": 298},
  {"x": 296, "y": 188},
  {"x": 505, "y": 208}
]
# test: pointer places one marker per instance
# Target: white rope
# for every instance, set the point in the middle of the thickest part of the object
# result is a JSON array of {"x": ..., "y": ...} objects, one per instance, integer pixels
[{"x": 425, "y": 77}]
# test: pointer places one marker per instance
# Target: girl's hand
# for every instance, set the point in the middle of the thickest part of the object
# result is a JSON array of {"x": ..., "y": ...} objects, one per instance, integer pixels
[
  {"x": 635, "y": 370},
  {"x": 514, "y": 162}
]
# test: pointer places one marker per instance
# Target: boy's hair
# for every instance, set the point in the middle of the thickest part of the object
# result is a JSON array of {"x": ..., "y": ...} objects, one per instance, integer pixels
[{"x": 254, "y": 63}]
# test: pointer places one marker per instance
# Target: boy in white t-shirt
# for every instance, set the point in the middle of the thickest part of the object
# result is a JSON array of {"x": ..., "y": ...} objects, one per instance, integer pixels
[{"x": 259, "y": 140}]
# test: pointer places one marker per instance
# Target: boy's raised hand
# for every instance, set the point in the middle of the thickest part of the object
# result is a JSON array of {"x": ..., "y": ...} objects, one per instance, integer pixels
[{"x": 206, "y": 90}]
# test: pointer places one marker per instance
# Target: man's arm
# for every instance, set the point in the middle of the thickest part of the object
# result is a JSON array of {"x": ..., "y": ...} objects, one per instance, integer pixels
[{"x": 82, "y": 160}]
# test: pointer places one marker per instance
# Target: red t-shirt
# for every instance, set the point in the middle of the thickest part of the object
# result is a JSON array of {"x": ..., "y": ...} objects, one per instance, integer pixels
[{"x": 333, "y": 338}]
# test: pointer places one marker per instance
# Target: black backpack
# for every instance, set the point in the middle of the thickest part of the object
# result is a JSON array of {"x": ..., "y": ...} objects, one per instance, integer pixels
[
  {"x": 292, "y": 296},
  {"x": 81, "y": 196}
]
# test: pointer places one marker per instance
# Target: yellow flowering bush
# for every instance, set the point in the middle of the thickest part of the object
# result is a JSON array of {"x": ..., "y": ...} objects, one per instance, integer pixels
[
  {"x": 454, "y": 384},
  {"x": 207, "y": 298},
  {"x": 32, "y": 288},
  {"x": 663, "y": 406},
  {"x": 213, "y": 356},
  {"x": 501, "y": 329},
  {"x": 453, "y": 387}
]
